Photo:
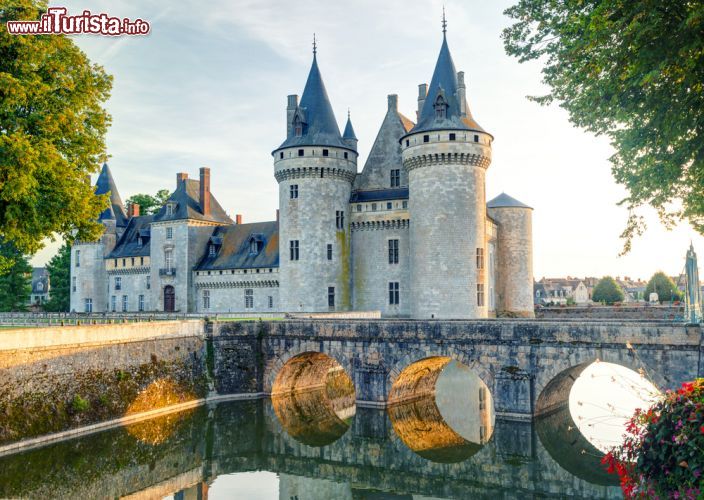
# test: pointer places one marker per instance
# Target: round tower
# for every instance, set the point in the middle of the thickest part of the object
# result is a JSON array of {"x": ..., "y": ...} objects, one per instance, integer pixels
[
  {"x": 315, "y": 167},
  {"x": 514, "y": 275},
  {"x": 446, "y": 156}
]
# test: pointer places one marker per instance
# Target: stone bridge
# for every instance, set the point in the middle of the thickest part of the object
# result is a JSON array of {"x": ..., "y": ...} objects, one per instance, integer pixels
[{"x": 528, "y": 365}]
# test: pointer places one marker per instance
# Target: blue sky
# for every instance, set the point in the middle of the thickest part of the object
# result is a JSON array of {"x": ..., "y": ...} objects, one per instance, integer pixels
[{"x": 208, "y": 86}]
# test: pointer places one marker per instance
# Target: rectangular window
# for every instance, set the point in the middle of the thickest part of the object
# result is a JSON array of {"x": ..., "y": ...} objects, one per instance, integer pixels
[
  {"x": 393, "y": 293},
  {"x": 211, "y": 250},
  {"x": 326, "y": 152},
  {"x": 389, "y": 205},
  {"x": 480, "y": 294},
  {"x": 281, "y": 155},
  {"x": 453, "y": 137},
  {"x": 407, "y": 142},
  {"x": 124, "y": 262},
  {"x": 329, "y": 251},
  {"x": 393, "y": 251},
  {"x": 482, "y": 398},
  {"x": 169, "y": 209},
  {"x": 476, "y": 138},
  {"x": 346, "y": 155},
  {"x": 141, "y": 261},
  {"x": 78, "y": 258},
  {"x": 115, "y": 263},
  {"x": 206, "y": 299},
  {"x": 339, "y": 219},
  {"x": 73, "y": 284},
  {"x": 426, "y": 138},
  {"x": 294, "y": 191},
  {"x": 395, "y": 177},
  {"x": 359, "y": 208},
  {"x": 168, "y": 259},
  {"x": 271, "y": 302},
  {"x": 480, "y": 258},
  {"x": 124, "y": 303},
  {"x": 373, "y": 207},
  {"x": 293, "y": 246},
  {"x": 118, "y": 283},
  {"x": 331, "y": 296},
  {"x": 405, "y": 204},
  {"x": 249, "y": 298},
  {"x": 169, "y": 233},
  {"x": 88, "y": 305},
  {"x": 149, "y": 282},
  {"x": 113, "y": 303},
  {"x": 140, "y": 303},
  {"x": 300, "y": 152}
]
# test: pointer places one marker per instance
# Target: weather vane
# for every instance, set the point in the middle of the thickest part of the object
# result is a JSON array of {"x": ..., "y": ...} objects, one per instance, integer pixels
[{"x": 315, "y": 46}]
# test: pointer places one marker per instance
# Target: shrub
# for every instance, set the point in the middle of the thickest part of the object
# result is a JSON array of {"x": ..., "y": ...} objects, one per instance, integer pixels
[
  {"x": 79, "y": 404},
  {"x": 662, "y": 455}
]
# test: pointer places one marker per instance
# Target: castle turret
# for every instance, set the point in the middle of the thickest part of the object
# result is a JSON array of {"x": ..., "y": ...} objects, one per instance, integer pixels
[
  {"x": 446, "y": 156},
  {"x": 514, "y": 277},
  {"x": 348, "y": 135},
  {"x": 315, "y": 167}
]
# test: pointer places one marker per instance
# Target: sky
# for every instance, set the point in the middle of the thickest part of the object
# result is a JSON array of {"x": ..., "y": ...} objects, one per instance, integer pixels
[{"x": 208, "y": 87}]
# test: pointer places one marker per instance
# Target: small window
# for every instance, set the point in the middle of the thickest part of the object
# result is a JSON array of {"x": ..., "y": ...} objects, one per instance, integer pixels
[
  {"x": 359, "y": 208},
  {"x": 293, "y": 247},
  {"x": 115, "y": 263},
  {"x": 118, "y": 283},
  {"x": 426, "y": 138},
  {"x": 141, "y": 261},
  {"x": 331, "y": 297},
  {"x": 249, "y": 298},
  {"x": 453, "y": 137},
  {"x": 169, "y": 259},
  {"x": 149, "y": 283},
  {"x": 389, "y": 205},
  {"x": 170, "y": 208},
  {"x": 124, "y": 303},
  {"x": 407, "y": 142},
  {"x": 293, "y": 191},
  {"x": 206, "y": 299},
  {"x": 345, "y": 155},
  {"x": 124, "y": 262},
  {"x": 329, "y": 251},
  {"x": 211, "y": 250},
  {"x": 326, "y": 152},
  {"x": 373, "y": 207},
  {"x": 405, "y": 204},
  {"x": 393, "y": 251},
  {"x": 480, "y": 258},
  {"x": 88, "y": 305},
  {"x": 281, "y": 155},
  {"x": 480, "y": 294},
  {"x": 113, "y": 303},
  {"x": 73, "y": 284},
  {"x": 476, "y": 138},
  {"x": 395, "y": 177},
  {"x": 140, "y": 303},
  {"x": 300, "y": 152},
  {"x": 271, "y": 302},
  {"x": 169, "y": 233},
  {"x": 339, "y": 219},
  {"x": 139, "y": 242},
  {"x": 78, "y": 258},
  {"x": 393, "y": 293},
  {"x": 132, "y": 262}
]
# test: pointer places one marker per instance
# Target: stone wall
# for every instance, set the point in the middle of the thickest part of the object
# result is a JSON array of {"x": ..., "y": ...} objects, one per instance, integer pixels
[
  {"x": 645, "y": 312},
  {"x": 227, "y": 290}
]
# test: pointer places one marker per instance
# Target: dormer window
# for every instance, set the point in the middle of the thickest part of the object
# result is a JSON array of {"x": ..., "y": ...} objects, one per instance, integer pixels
[
  {"x": 170, "y": 208},
  {"x": 140, "y": 243},
  {"x": 40, "y": 286},
  {"x": 440, "y": 107},
  {"x": 297, "y": 126},
  {"x": 255, "y": 246},
  {"x": 212, "y": 250}
]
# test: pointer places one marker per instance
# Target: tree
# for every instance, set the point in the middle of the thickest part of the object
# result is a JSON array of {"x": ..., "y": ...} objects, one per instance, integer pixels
[
  {"x": 661, "y": 284},
  {"x": 633, "y": 71},
  {"x": 15, "y": 283},
  {"x": 52, "y": 134},
  {"x": 59, "y": 270},
  {"x": 149, "y": 204},
  {"x": 608, "y": 291}
]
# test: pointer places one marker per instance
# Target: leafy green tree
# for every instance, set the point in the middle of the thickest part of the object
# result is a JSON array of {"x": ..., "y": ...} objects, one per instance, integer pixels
[
  {"x": 663, "y": 285},
  {"x": 15, "y": 283},
  {"x": 52, "y": 134},
  {"x": 633, "y": 71},
  {"x": 59, "y": 269},
  {"x": 149, "y": 204},
  {"x": 607, "y": 291}
]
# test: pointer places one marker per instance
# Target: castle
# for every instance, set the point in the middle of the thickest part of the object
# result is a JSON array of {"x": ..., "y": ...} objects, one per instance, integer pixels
[{"x": 411, "y": 235}]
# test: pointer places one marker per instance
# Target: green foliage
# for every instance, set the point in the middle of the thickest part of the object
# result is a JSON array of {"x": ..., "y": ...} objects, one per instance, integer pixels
[
  {"x": 59, "y": 269},
  {"x": 80, "y": 404},
  {"x": 607, "y": 291},
  {"x": 15, "y": 283},
  {"x": 571, "y": 301},
  {"x": 661, "y": 284},
  {"x": 633, "y": 71},
  {"x": 662, "y": 455},
  {"x": 52, "y": 130},
  {"x": 149, "y": 204}
]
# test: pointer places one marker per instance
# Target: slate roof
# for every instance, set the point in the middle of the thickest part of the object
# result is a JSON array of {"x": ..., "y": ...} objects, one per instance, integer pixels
[
  {"x": 319, "y": 124},
  {"x": 233, "y": 247},
  {"x": 187, "y": 199},
  {"x": 116, "y": 210},
  {"x": 504, "y": 200},
  {"x": 445, "y": 80},
  {"x": 128, "y": 244},
  {"x": 379, "y": 195},
  {"x": 349, "y": 130},
  {"x": 40, "y": 275}
]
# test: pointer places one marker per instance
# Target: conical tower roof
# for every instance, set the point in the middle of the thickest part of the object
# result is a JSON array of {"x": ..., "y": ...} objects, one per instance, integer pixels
[
  {"x": 319, "y": 127},
  {"x": 504, "y": 200},
  {"x": 445, "y": 82},
  {"x": 116, "y": 210},
  {"x": 349, "y": 130}
]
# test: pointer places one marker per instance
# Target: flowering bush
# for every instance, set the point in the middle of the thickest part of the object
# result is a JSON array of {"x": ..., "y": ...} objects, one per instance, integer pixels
[{"x": 662, "y": 455}]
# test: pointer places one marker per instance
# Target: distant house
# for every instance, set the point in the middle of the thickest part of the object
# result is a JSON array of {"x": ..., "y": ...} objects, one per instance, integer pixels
[
  {"x": 40, "y": 287},
  {"x": 633, "y": 289},
  {"x": 561, "y": 290}
]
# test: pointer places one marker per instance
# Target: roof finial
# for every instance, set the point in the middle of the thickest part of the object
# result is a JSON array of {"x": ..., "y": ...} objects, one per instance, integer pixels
[
  {"x": 315, "y": 46},
  {"x": 444, "y": 22},
  {"x": 348, "y": 113}
]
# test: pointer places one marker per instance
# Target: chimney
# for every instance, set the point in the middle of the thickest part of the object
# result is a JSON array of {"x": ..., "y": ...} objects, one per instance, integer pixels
[
  {"x": 422, "y": 94},
  {"x": 277, "y": 215},
  {"x": 393, "y": 102},
  {"x": 180, "y": 179},
  {"x": 133, "y": 210},
  {"x": 462, "y": 94},
  {"x": 205, "y": 190},
  {"x": 238, "y": 219},
  {"x": 290, "y": 111}
]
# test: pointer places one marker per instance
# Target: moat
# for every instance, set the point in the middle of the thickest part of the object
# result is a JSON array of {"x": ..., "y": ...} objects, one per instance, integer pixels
[{"x": 317, "y": 444}]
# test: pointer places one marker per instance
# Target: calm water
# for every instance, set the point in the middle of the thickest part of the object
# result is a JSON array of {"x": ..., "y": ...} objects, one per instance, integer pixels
[{"x": 317, "y": 445}]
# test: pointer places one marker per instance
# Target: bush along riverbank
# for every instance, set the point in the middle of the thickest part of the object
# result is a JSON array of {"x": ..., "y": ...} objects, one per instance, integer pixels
[{"x": 662, "y": 454}]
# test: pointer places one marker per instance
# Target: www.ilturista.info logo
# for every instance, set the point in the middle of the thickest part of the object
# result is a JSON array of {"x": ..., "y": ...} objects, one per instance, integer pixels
[{"x": 56, "y": 21}]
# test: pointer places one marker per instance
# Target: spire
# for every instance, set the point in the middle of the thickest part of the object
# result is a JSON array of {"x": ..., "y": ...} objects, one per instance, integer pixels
[
  {"x": 318, "y": 124},
  {"x": 116, "y": 210},
  {"x": 446, "y": 85},
  {"x": 349, "y": 130}
]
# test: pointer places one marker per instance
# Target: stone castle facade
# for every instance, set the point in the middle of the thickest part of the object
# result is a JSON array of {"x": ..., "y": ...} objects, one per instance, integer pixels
[{"x": 411, "y": 235}]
